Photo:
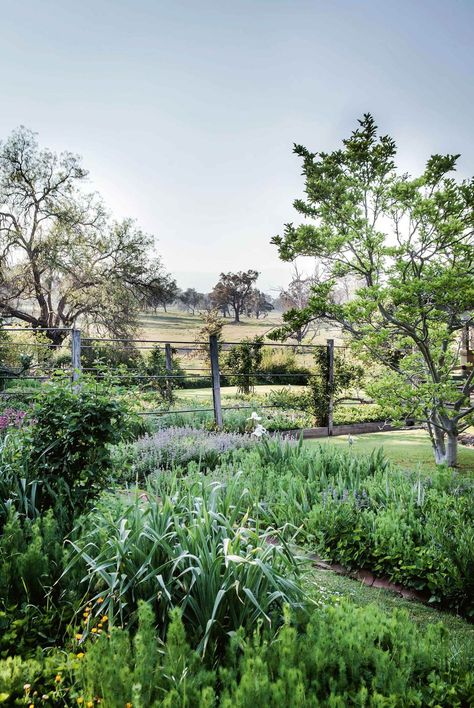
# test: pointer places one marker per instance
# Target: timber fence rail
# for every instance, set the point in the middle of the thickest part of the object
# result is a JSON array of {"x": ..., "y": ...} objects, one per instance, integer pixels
[{"x": 78, "y": 354}]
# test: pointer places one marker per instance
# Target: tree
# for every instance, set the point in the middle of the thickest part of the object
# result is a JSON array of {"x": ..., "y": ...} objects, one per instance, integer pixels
[
  {"x": 62, "y": 257},
  {"x": 232, "y": 291},
  {"x": 161, "y": 293},
  {"x": 296, "y": 297},
  {"x": 191, "y": 299},
  {"x": 408, "y": 244},
  {"x": 258, "y": 303}
]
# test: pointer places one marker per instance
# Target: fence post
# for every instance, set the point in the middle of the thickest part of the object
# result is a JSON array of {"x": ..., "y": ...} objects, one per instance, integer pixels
[
  {"x": 169, "y": 369},
  {"x": 216, "y": 379},
  {"x": 76, "y": 356},
  {"x": 330, "y": 352}
]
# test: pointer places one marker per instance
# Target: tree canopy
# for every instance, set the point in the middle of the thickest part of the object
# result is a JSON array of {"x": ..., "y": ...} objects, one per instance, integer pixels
[
  {"x": 233, "y": 290},
  {"x": 62, "y": 256},
  {"x": 407, "y": 243}
]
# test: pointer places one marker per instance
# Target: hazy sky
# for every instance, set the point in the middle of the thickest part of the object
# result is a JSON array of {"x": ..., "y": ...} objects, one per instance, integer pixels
[{"x": 185, "y": 112}]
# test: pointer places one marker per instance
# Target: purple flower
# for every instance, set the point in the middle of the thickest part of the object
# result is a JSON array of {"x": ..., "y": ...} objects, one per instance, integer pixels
[{"x": 11, "y": 418}]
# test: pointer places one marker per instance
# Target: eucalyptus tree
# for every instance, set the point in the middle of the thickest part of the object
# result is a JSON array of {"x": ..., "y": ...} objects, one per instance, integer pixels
[
  {"x": 407, "y": 243},
  {"x": 233, "y": 290},
  {"x": 62, "y": 258}
]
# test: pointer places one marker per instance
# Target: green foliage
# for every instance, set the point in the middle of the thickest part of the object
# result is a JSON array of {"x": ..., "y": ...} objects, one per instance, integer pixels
[
  {"x": 155, "y": 366},
  {"x": 69, "y": 443},
  {"x": 346, "y": 374},
  {"x": 194, "y": 547},
  {"x": 31, "y": 563},
  {"x": 363, "y": 513},
  {"x": 280, "y": 366},
  {"x": 406, "y": 244},
  {"x": 343, "y": 656},
  {"x": 97, "y": 356},
  {"x": 243, "y": 363}
]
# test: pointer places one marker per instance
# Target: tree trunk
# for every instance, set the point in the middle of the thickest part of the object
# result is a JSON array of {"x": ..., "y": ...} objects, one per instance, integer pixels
[
  {"x": 452, "y": 449},
  {"x": 445, "y": 446}
]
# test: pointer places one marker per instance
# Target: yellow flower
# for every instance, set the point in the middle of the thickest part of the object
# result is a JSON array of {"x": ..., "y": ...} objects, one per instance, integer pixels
[
  {"x": 100, "y": 625},
  {"x": 58, "y": 678},
  {"x": 80, "y": 700},
  {"x": 94, "y": 630},
  {"x": 128, "y": 705},
  {"x": 78, "y": 637},
  {"x": 90, "y": 704},
  {"x": 80, "y": 655},
  {"x": 104, "y": 618},
  {"x": 32, "y": 705},
  {"x": 100, "y": 600}
]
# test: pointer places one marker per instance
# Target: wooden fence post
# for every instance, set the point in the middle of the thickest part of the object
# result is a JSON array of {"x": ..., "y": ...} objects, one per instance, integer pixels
[
  {"x": 330, "y": 352},
  {"x": 76, "y": 357},
  {"x": 216, "y": 379},
  {"x": 169, "y": 369}
]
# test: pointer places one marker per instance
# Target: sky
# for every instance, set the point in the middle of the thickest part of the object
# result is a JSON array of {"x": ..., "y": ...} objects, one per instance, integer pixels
[{"x": 185, "y": 111}]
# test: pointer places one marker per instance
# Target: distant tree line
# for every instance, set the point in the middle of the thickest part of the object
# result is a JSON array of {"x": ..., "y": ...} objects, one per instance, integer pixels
[{"x": 233, "y": 295}]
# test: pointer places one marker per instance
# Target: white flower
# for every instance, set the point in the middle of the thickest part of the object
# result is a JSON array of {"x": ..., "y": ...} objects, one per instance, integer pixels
[
  {"x": 351, "y": 440},
  {"x": 259, "y": 431},
  {"x": 254, "y": 416}
]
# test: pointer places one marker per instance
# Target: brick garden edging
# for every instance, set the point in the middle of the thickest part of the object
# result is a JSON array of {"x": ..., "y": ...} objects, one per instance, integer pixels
[
  {"x": 369, "y": 579},
  {"x": 352, "y": 429}
]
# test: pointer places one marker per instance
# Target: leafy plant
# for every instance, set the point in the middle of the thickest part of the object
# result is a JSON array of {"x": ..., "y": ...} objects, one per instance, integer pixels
[
  {"x": 197, "y": 549},
  {"x": 69, "y": 443},
  {"x": 243, "y": 363}
]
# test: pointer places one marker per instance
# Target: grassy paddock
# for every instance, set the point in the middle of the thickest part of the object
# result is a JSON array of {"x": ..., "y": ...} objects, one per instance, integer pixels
[
  {"x": 410, "y": 449},
  {"x": 175, "y": 325}
]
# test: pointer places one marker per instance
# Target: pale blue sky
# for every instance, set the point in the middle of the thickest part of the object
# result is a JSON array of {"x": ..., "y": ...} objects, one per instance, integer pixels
[{"x": 185, "y": 111}]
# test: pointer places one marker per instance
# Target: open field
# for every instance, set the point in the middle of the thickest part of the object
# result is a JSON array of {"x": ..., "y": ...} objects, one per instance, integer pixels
[
  {"x": 411, "y": 449},
  {"x": 176, "y": 325}
]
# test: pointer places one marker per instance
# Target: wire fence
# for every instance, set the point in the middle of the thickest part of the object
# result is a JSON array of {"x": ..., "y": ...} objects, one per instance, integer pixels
[{"x": 157, "y": 368}]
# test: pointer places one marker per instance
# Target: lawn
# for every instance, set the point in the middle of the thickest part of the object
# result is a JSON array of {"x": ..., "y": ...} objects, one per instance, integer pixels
[
  {"x": 229, "y": 392},
  {"x": 410, "y": 449}
]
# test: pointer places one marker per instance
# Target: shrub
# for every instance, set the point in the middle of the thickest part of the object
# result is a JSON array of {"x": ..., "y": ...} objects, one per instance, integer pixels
[
  {"x": 31, "y": 563},
  {"x": 280, "y": 366},
  {"x": 69, "y": 443},
  {"x": 171, "y": 447},
  {"x": 343, "y": 656},
  {"x": 364, "y": 513},
  {"x": 242, "y": 363},
  {"x": 155, "y": 366}
]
